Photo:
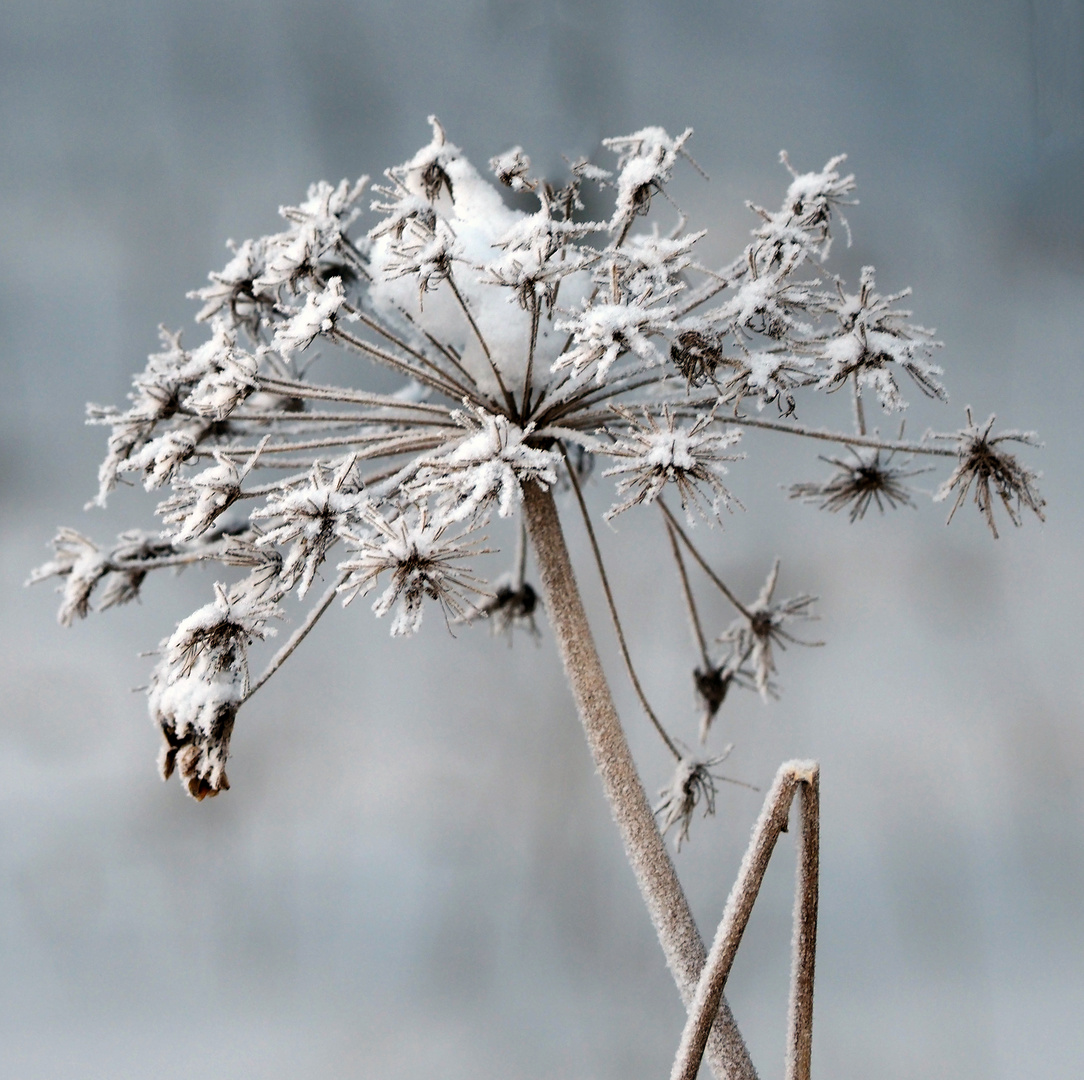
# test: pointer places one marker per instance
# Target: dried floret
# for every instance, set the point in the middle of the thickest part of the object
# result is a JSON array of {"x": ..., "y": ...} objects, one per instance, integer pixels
[
  {"x": 421, "y": 563},
  {"x": 992, "y": 472},
  {"x": 855, "y": 485},
  {"x": 760, "y": 627},
  {"x": 81, "y": 564},
  {"x": 311, "y": 518},
  {"x": 692, "y": 783},
  {"x": 872, "y": 339},
  {"x": 318, "y": 316},
  {"x": 691, "y": 458}
]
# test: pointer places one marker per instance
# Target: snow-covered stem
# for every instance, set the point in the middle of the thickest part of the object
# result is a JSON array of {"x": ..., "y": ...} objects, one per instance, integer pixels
[
  {"x": 791, "y": 776},
  {"x": 843, "y": 439},
  {"x": 644, "y": 846}
]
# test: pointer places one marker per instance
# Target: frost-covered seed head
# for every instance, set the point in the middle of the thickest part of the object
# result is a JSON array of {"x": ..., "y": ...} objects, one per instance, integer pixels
[{"x": 507, "y": 341}]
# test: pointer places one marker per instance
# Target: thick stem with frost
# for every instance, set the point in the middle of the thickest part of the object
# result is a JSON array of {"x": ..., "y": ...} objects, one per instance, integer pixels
[{"x": 644, "y": 845}]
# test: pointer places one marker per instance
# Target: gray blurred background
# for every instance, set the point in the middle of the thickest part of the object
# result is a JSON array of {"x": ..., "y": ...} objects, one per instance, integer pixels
[{"x": 415, "y": 874}]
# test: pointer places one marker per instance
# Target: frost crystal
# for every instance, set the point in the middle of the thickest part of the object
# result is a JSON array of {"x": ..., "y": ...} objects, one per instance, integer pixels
[{"x": 421, "y": 563}]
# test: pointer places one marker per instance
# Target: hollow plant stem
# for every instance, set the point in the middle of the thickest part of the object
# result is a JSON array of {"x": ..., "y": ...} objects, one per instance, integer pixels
[{"x": 644, "y": 846}]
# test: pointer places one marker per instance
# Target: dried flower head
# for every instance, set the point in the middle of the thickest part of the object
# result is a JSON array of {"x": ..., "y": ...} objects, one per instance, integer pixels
[
  {"x": 511, "y": 605},
  {"x": 311, "y": 518},
  {"x": 993, "y": 472},
  {"x": 873, "y": 338},
  {"x": 500, "y": 343},
  {"x": 421, "y": 563},
  {"x": 869, "y": 478},
  {"x": 692, "y": 783},
  {"x": 760, "y": 627},
  {"x": 653, "y": 455}
]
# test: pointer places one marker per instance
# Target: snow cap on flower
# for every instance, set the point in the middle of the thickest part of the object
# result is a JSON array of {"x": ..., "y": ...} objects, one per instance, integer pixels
[
  {"x": 421, "y": 563},
  {"x": 199, "y": 685},
  {"x": 653, "y": 455}
]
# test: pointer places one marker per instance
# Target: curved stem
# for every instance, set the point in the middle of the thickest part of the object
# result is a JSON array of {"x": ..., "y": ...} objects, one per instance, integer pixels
[{"x": 647, "y": 854}]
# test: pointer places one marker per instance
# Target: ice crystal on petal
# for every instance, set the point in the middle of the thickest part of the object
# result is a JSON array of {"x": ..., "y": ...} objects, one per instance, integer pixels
[
  {"x": 424, "y": 255},
  {"x": 767, "y": 302},
  {"x": 161, "y": 459},
  {"x": 651, "y": 266},
  {"x": 227, "y": 375},
  {"x": 317, "y": 241},
  {"x": 804, "y": 221}
]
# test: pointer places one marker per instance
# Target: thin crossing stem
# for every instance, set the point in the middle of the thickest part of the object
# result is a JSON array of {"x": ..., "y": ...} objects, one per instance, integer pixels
[
  {"x": 701, "y": 562},
  {"x": 299, "y": 635},
  {"x": 690, "y": 603}
]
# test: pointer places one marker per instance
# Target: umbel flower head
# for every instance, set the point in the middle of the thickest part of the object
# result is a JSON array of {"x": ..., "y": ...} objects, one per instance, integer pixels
[{"x": 495, "y": 343}]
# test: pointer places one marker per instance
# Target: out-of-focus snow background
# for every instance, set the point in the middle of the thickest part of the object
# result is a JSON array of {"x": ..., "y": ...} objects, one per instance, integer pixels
[{"x": 414, "y": 874}]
